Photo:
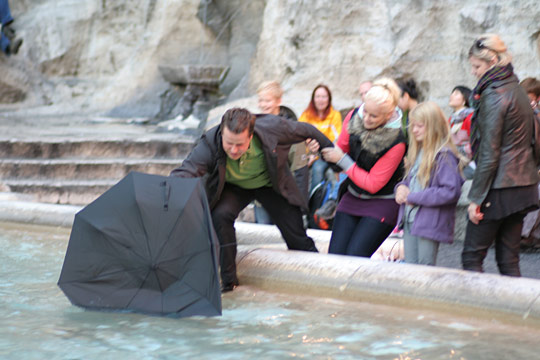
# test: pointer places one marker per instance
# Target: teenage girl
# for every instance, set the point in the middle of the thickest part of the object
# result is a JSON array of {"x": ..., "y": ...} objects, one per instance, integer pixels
[{"x": 429, "y": 193}]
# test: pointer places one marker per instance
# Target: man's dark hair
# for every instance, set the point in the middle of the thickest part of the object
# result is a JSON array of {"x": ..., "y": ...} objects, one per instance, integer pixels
[
  {"x": 237, "y": 120},
  {"x": 409, "y": 86}
]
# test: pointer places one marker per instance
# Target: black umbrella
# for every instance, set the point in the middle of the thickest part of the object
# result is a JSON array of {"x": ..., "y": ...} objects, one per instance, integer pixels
[{"x": 146, "y": 245}]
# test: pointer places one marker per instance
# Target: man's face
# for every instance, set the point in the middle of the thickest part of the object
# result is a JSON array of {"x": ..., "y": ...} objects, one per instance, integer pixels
[
  {"x": 534, "y": 100},
  {"x": 235, "y": 145},
  {"x": 363, "y": 89}
]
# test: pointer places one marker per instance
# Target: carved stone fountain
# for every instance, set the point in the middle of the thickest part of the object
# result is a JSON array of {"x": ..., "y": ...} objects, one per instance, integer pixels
[{"x": 193, "y": 92}]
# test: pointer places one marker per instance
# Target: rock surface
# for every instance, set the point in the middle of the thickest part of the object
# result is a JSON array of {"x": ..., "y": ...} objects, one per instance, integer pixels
[{"x": 103, "y": 56}]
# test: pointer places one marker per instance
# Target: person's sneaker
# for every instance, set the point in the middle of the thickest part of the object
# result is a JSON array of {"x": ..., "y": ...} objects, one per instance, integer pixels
[
  {"x": 328, "y": 210},
  {"x": 13, "y": 48}
]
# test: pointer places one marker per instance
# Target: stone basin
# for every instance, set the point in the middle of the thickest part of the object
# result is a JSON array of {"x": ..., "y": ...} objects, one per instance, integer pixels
[{"x": 202, "y": 75}]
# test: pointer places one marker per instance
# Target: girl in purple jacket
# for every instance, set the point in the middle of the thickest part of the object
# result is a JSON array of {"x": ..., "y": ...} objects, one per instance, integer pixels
[{"x": 430, "y": 191}]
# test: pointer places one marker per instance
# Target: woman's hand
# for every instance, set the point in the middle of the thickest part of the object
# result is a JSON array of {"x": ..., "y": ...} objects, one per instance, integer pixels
[
  {"x": 402, "y": 192},
  {"x": 332, "y": 154},
  {"x": 474, "y": 213}
]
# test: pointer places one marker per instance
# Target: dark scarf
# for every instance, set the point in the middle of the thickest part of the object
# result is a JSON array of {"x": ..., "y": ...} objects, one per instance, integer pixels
[{"x": 496, "y": 73}]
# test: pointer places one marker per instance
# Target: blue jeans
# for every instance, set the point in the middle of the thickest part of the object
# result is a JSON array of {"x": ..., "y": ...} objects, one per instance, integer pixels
[
  {"x": 4, "y": 43},
  {"x": 5, "y": 18},
  {"x": 357, "y": 235},
  {"x": 318, "y": 168},
  {"x": 262, "y": 216}
]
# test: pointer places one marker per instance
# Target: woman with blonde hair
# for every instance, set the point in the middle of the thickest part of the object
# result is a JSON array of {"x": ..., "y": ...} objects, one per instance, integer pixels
[
  {"x": 430, "y": 191},
  {"x": 370, "y": 151},
  {"x": 504, "y": 185}
]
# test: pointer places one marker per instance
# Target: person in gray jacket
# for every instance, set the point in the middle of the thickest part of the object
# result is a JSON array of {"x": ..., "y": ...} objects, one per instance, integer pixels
[
  {"x": 245, "y": 158},
  {"x": 504, "y": 187}
]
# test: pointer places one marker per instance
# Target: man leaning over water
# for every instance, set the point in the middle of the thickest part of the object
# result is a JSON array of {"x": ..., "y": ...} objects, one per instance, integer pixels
[{"x": 245, "y": 158}]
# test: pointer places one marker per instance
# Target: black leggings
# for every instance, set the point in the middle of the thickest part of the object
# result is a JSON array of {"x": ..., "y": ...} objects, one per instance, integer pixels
[{"x": 357, "y": 235}]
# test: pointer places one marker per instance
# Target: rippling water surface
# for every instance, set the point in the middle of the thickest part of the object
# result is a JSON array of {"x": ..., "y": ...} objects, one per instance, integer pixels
[{"x": 38, "y": 322}]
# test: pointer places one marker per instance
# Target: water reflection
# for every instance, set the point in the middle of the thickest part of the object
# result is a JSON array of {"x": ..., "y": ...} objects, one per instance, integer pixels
[{"x": 39, "y": 322}]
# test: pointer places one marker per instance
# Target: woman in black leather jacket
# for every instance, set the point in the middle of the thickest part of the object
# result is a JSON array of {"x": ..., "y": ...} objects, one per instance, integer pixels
[{"x": 504, "y": 183}]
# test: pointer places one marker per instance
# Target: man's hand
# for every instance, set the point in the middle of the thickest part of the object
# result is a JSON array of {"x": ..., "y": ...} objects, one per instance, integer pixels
[
  {"x": 332, "y": 154},
  {"x": 402, "y": 192},
  {"x": 474, "y": 213},
  {"x": 313, "y": 146}
]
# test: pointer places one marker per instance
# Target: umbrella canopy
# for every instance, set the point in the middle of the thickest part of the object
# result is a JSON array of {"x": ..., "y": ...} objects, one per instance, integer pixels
[{"x": 146, "y": 245}]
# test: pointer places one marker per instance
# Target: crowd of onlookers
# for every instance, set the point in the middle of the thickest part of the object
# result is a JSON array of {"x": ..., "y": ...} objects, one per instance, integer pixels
[
  {"x": 393, "y": 165},
  {"x": 363, "y": 201}
]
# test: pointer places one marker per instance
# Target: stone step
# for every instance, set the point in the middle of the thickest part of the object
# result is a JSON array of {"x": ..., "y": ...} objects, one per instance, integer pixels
[
  {"x": 82, "y": 169},
  {"x": 74, "y": 192},
  {"x": 50, "y": 149}
]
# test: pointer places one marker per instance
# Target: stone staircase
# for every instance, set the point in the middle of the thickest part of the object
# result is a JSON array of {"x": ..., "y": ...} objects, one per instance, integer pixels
[{"x": 78, "y": 171}]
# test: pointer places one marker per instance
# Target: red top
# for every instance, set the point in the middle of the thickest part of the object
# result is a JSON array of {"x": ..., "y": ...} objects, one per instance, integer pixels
[{"x": 466, "y": 124}]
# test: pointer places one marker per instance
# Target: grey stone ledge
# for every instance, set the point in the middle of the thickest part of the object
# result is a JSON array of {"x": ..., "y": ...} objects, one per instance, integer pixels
[{"x": 263, "y": 261}]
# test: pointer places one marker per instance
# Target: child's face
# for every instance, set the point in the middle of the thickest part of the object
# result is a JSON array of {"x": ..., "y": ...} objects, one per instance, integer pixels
[
  {"x": 418, "y": 130},
  {"x": 268, "y": 103}
]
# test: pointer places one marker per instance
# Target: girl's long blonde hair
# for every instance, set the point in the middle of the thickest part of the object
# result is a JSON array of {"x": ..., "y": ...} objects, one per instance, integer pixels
[{"x": 437, "y": 135}]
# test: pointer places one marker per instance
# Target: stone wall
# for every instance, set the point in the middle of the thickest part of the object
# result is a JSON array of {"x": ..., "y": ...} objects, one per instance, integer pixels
[
  {"x": 103, "y": 55},
  {"x": 428, "y": 40}
]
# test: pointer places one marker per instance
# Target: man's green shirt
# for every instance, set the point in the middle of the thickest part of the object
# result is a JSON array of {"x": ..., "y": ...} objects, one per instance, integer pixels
[{"x": 249, "y": 172}]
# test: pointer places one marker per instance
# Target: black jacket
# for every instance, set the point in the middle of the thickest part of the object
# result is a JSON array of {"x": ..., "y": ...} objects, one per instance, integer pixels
[
  {"x": 505, "y": 159},
  {"x": 208, "y": 159}
]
